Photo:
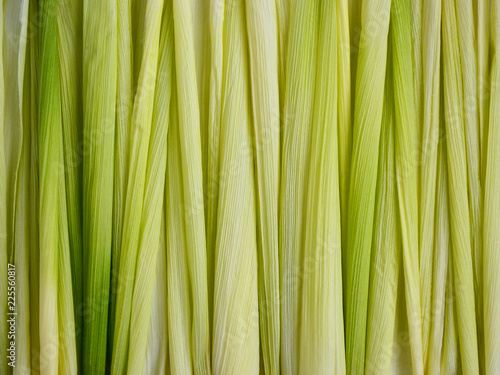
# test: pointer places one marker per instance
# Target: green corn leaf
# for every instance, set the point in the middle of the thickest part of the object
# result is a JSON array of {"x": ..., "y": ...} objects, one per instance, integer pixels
[
  {"x": 140, "y": 140},
  {"x": 450, "y": 359},
  {"x": 297, "y": 115},
  {"x": 190, "y": 150},
  {"x": 156, "y": 361},
  {"x": 23, "y": 237},
  {"x": 283, "y": 20},
  {"x": 99, "y": 104},
  {"x": 69, "y": 22},
  {"x": 124, "y": 106},
  {"x": 236, "y": 314},
  {"x": 468, "y": 59},
  {"x": 322, "y": 329},
  {"x": 386, "y": 247},
  {"x": 49, "y": 155},
  {"x": 262, "y": 30},
  {"x": 217, "y": 11},
  {"x": 407, "y": 171},
  {"x": 482, "y": 9},
  {"x": 440, "y": 265},
  {"x": 3, "y": 213},
  {"x": 34, "y": 193},
  {"x": 178, "y": 302},
  {"x": 365, "y": 150},
  {"x": 463, "y": 268},
  {"x": 431, "y": 57},
  {"x": 416, "y": 20},
  {"x": 344, "y": 110},
  {"x": 491, "y": 208},
  {"x": 17, "y": 158},
  {"x": 153, "y": 201},
  {"x": 68, "y": 363}
]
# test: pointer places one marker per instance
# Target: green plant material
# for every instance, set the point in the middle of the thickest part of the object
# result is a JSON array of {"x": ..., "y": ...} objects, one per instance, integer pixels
[
  {"x": 365, "y": 150},
  {"x": 491, "y": 248},
  {"x": 203, "y": 52},
  {"x": 450, "y": 360},
  {"x": 217, "y": 10},
  {"x": 3, "y": 214},
  {"x": 138, "y": 24},
  {"x": 458, "y": 192},
  {"x": 297, "y": 117},
  {"x": 190, "y": 151},
  {"x": 440, "y": 270},
  {"x": 14, "y": 55},
  {"x": 148, "y": 254},
  {"x": 99, "y": 110},
  {"x": 17, "y": 159},
  {"x": 33, "y": 44},
  {"x": 262, "y": 31},
  {"x": 283, "y": 21},
  {"x": 178, "y": 302},
  {"x": 22, "y": 230},
  {"x": 355, "y": 33},
  {"x": 68, "y": 362},
  {"x": 416, "y": 12},
  {"x": 344, "y": 111},
  {"x": 156, "y": 359},
  {"x": 153, "y": 200},
  {"x": 49, "y": 156},
  {"x": 482, "y": 10},
  {"x": 236, "y": 309},
  {"x": 322, "y": 329},
  {"x": 386, "y": 248},
  {"x": 406, "y": 149},
  {"x": 134, "y": 199},
  {"x": 468, "y": 59},
  {"x": 200, "y": 24},
  {"x": 205, "y": 7},
  {"x": 431, "y": 57},
  {"x": 69, "y": 22},
  {"x": 400, "y": 349},
  {"x": 124, "y": 106}
]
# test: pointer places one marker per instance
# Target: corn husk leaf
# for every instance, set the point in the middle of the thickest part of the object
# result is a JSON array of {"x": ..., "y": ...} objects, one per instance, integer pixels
[
  {"x": 178, "y": 301},
  {"x": 99, "y": 104},
  {"x": 297, "y": 116},
  {"x": 407, "y": 171},
  {"x": 491, "y": 208},
  {"x": 70, "y": 40},
  {"x": 431, "y": 51},
  {"x": 140, "y": 141},
  {"x": 3, "y": 212},
  {"x": 190, "y": 154},
  {"x": 49, "y": 155},
  {"x": 153, "y": 202},
  {"x": 262, "y": 31},
  {"x": 468, "y": 59},
  {"x": 236, "y": 324},
  {"x": 450, "y": 357},
  {"x": 322, "y": 329},
  {"x": 344, "y": 110},
  {"x": 440, "y": 266},
  {"x": 386, "y": 248},
  {"x": 34, "y": 194},
  {"x": 211, "y": 182},
  {"x": 458, "y": 192},
  {"x": 365, "y": 150},
  {"x": 124, "y": 107},
  {"x": 68, "y": 363},
  {"x": 156, "y": 361}
]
